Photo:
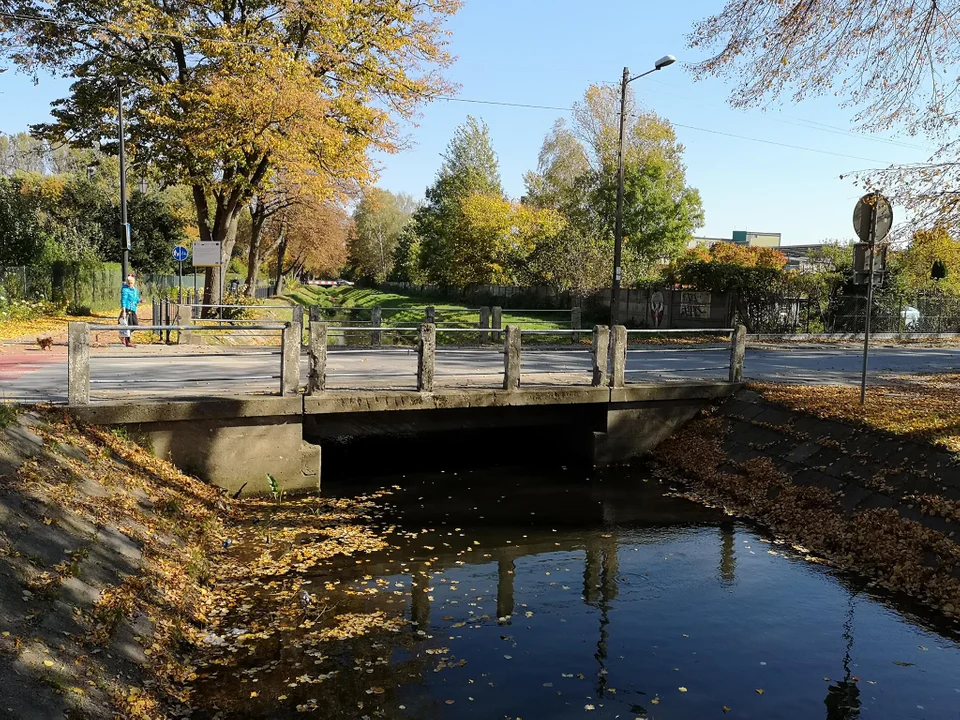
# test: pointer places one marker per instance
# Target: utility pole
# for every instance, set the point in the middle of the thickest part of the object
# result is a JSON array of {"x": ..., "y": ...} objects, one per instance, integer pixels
[
  {"x": 124, "y": 225},
  {"x": 618, "y": 229}
]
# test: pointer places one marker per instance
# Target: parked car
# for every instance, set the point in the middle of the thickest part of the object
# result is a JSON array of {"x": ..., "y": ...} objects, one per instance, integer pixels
[{"x": 910, "y": 317}]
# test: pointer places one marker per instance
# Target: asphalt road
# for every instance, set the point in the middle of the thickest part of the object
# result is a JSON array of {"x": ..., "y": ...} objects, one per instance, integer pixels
[{"x": 158, "y": 371}]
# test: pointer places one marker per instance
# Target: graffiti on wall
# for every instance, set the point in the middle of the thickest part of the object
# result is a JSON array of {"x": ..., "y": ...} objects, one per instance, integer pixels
[{"x": 694, "y": 305}]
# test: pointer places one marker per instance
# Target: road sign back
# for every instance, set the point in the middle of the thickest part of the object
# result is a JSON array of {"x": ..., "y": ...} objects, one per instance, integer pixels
[{"x": 862, "y": 219}]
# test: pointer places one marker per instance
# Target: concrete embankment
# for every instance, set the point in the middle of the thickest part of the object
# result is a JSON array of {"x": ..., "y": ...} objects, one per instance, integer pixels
[
  {"x": 880, "y": 504},
  {"x": 105, "y": 553}
]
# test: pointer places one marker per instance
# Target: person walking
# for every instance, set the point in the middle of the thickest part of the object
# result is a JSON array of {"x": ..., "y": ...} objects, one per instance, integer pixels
[{"x": 129, "y": 301}]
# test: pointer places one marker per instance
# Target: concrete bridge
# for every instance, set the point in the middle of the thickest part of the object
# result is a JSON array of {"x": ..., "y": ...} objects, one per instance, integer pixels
[{"x": 236, "y": 442}]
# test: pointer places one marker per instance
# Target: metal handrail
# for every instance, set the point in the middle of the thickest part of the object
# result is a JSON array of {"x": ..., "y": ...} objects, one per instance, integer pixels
[
  {"x": 697, "y": 331},
  {"x": 190, "y": 328}
]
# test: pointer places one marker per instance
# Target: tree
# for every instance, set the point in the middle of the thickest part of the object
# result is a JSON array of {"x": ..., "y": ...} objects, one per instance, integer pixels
[
  {"x": 221, "y": 95},
  {"x": 379, "y": 219},
  {"x": 889, "y": 61},
  {"x": 755, "y": 275},
  {"x": 22, "y": 239},
  {"x": 577, "y": 176},
  {"x": 930, "y": 249},
  {"x": 494, "y": 239},
  {"x": 469, "y": 167},
  {"x": 308, "y": 236}
]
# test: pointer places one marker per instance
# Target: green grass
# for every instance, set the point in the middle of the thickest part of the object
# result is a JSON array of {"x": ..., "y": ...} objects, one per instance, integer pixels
[{"x": 400, "y": 310}]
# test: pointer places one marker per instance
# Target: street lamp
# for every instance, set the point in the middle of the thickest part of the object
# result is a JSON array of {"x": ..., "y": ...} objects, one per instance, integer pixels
[
  {"x": 124, "y": 225},
  {"x": 618, "y": 231}
]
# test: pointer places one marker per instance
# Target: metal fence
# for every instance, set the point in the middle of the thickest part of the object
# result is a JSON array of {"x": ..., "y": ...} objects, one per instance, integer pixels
[
  {"x": 891, "y": 313},
  {"x": 72, "y": 284}
]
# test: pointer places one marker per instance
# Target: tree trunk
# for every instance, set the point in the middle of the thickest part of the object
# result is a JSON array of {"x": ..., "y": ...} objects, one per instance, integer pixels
[
  {"x": 257, "y": 218},
  {"x": 281, "y": 256}
]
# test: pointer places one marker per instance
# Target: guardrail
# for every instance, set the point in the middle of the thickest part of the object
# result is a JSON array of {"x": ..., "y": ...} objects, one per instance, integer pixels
[
  {"x": 609, "y": 352},
  {"x": 78, "y": 351}
]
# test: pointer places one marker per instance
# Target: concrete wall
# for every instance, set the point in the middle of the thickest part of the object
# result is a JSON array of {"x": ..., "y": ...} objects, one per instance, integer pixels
[{"x": 236, "y": 443}]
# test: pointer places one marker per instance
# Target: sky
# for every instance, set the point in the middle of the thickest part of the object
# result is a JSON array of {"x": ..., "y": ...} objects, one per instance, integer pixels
[{"x": 547, "y": 52}]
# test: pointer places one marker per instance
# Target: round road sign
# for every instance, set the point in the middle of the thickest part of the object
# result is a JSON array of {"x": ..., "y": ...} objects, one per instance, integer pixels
[
  {"x": 861, "y": 217},
  {"x": 180, "y": 253}
]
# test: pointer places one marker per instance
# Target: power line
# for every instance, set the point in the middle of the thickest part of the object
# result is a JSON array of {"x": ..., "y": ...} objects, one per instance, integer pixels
[{"x": 675, "y": 124}]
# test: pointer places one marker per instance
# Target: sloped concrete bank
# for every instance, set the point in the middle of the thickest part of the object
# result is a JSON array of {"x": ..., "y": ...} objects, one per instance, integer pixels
[
  {"x": 104, "y": 555},
  {"x": 878, "y": 504}
]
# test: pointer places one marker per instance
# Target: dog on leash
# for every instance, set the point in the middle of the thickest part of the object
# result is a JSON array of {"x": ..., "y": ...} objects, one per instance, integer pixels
[{"x": 45, "y": 343}]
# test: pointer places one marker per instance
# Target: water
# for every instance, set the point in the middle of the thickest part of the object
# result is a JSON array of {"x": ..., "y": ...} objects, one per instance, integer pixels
[{"x": 549, "y": 596}]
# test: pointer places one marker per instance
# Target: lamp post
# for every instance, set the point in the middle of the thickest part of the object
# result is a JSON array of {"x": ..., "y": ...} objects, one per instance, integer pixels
[
  {"x": 124, "y": 225},
  {"x": 618, "y": 229}
]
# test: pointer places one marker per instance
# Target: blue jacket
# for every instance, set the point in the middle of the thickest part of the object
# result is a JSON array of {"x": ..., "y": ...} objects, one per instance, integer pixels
[{"x": 129, "y": 297}]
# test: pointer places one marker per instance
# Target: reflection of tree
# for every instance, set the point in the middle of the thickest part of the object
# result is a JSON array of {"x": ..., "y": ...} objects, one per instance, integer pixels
[
  {"x": 728, "y": 558},
  {"x": 420, "y": 600},
  {"x": 843, "y": 697},
  {"x": 599, "y": 590},
  {"x": 505, "y": 576}
]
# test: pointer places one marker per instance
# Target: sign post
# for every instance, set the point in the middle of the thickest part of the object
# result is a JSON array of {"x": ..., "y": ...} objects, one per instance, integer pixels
[
  {"x": 872, "y": 220},
  {"x": 180, "y": 254}
]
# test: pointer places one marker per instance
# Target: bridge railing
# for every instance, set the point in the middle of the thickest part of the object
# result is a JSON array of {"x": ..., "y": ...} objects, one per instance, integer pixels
[
  {"x": 608, "y": 353},
  {"x": 78, "y": 353}
]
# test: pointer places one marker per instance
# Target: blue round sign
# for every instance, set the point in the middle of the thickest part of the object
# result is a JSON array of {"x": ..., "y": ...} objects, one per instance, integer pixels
[{"x": 180, "y": 253}]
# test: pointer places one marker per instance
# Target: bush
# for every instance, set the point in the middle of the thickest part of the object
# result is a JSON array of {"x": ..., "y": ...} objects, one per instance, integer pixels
[
  {"x": 79, "y": 310},
  {"x": 25, "y": 309}
]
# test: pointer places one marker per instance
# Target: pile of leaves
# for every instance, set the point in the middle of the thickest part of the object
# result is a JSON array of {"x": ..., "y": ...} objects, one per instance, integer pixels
[{"x": 925, "y": 408}]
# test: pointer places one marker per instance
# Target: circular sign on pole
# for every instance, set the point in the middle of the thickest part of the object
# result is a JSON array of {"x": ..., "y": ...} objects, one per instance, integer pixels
[
  {"x": 180, "y": 253},
  {"x": 861, "y": 217}
]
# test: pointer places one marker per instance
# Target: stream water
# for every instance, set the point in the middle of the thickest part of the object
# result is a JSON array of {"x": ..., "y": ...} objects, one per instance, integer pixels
[{"x": 552, "y": 595}]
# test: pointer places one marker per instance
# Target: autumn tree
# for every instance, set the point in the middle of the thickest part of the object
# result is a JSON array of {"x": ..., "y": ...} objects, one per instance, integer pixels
[
  {"x": 469, "y": 167},
  {"x": 222, "y": 95},
  {"x": 378, "y": 221},
  {"x": 891, "y": 62},
  {"x": 307, "y": 236},
  {"x": 932, "y": 261},
  {"x": 577, "y": 176}
]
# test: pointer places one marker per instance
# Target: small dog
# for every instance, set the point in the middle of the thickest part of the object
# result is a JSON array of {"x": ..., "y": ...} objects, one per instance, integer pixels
[{"x": 45, "y": 343}]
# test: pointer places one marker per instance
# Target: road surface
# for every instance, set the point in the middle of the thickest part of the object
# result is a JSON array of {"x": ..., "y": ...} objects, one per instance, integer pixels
[{"x": 29, "y": 375}]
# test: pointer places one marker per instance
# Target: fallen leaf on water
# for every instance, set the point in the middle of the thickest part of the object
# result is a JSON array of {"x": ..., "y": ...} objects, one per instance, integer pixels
[
  {"x": 759, "y": 691},
  {"x": 589, "y": 707},
  {"x": 682, "y": 689},
  {"x": 902, "y": 664},
  {"x": 726, "y": 708},
  {"x": 449, "y": 702},
  {"x": 656, "y": 701},
  {"x": 254, "y": 694}
]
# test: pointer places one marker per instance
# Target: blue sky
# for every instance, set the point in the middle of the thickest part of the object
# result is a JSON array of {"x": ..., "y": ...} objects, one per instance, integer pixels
[{"x": 547, "y": 52}]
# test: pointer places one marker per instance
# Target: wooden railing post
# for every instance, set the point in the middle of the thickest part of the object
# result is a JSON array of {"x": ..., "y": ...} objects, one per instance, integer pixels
[
  {"x": 497, "y": 322},
  {"x": 601, "y": 351},
  {"x": 738, "y": 348},
  {"x": 376, "y": 321},
  {"x": 291, "y": 340},
  {"x": 575, "y": 324},
  {"x": 426, "y": 357},
  {"x": 78, "y": 363},
  {"x": 511, "y": 359},
  {"x": 618, "y": 356},
  {"x": 483, "y": 324},
  {"x": 317, "y": 353}
]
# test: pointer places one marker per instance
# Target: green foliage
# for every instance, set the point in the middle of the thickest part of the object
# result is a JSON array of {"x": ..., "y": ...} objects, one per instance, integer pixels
[
  {"x": 22, "y": 238},
  {"x": 577, "y": 177},
  {"x": 932, "y": 262},
  {"x": 378, "y": 222},
  {"x": 470, "y": 168}
]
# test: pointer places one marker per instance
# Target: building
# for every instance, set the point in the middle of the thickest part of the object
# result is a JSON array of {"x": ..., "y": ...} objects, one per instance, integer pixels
[{"x": 798, "y": 256}]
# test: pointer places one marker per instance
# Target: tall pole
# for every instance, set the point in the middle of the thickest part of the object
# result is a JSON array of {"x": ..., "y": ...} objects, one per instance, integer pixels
[
  {"x": 124, "y": 228},
  {"x": 618, "y": 229},
  {"x": 866, "y": 324}
]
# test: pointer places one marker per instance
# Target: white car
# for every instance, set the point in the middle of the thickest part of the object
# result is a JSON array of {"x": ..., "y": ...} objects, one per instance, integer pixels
[{"x": 910, "y": 317}]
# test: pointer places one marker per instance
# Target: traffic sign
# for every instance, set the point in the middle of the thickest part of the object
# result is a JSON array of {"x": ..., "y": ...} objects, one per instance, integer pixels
[
  {"x": 862, "y": 219},
  {"x": 206, "y": 254},
  {"x": 180, "y": 253}
]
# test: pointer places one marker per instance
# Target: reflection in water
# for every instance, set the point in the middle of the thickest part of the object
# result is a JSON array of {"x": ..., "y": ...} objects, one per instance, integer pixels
[
  {"x": 536, "y": 597},
  {"x": 843, "y": 698},
  {"x": 728, "y": 558}
]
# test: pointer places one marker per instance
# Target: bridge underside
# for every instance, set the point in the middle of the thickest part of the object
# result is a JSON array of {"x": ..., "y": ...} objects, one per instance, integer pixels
[{"x": 235, "y": 443}]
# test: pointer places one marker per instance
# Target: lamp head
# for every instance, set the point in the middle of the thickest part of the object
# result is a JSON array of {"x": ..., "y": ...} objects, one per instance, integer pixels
[{"x": 664, "y": 61}]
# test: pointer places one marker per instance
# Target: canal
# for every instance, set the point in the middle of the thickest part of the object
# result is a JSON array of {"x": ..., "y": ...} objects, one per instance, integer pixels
[{"x": 507, "y": 593}]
